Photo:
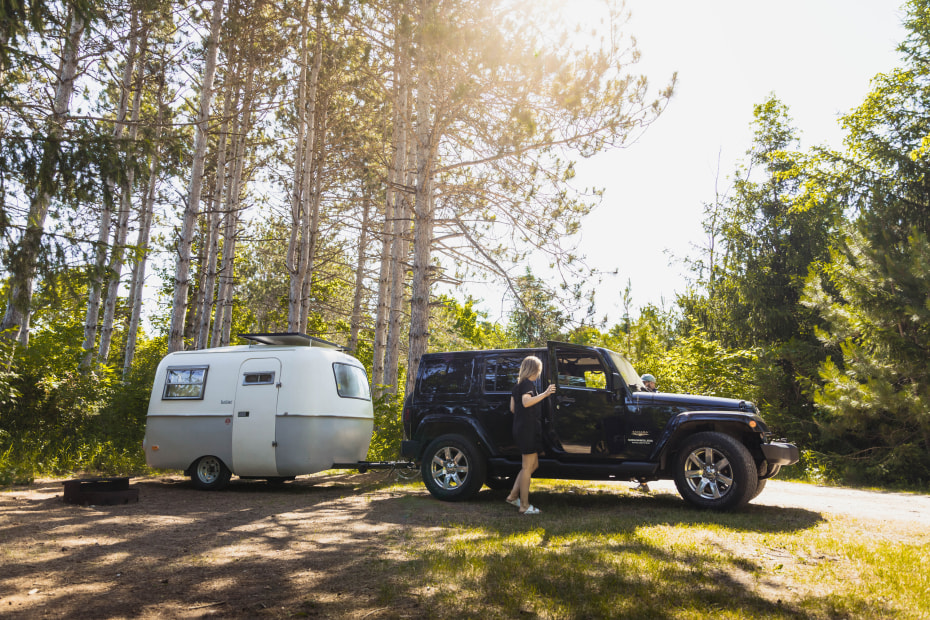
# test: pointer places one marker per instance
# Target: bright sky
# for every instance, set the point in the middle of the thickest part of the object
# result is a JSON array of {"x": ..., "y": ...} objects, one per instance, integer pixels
[{"x": 817, "y": 56}]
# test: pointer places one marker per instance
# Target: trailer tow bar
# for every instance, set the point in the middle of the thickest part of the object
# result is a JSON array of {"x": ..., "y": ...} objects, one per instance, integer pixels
[{"x": 364, "y": 466}]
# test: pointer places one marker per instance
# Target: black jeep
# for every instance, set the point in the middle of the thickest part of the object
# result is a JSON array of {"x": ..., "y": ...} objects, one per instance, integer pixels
[{"x": 601, "y": 424}]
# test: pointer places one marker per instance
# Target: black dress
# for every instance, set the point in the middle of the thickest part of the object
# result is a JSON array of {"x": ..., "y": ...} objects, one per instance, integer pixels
[{"x": 527, "y": 424}]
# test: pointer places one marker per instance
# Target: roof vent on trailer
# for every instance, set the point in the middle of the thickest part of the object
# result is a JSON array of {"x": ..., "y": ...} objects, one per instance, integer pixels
[{"x": 292, "y": 339}]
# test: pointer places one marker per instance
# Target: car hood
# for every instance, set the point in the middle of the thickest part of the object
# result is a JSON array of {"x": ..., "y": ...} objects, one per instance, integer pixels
[{"x": 691, "y": 401}]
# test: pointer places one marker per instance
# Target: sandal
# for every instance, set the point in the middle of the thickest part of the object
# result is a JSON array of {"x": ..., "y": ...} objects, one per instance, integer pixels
[
  {"x": 514, "y": 502},
  {"x": 532, "y": 510}
]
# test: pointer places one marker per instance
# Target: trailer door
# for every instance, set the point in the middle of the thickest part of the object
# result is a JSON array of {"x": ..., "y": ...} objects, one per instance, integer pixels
[{"x": 253, "y": 442}]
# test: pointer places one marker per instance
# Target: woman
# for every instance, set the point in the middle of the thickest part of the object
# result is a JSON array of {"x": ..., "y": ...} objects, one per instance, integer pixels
[{"x": 527, "y": 430}]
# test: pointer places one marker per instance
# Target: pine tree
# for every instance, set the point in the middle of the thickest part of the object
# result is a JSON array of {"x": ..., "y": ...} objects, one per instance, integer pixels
[{"x": 875, "y": 292}]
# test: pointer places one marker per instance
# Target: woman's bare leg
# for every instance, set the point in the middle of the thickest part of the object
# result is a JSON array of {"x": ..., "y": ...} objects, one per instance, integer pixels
[
  {"x": 515, "y": 491},
  {"x": 530, "y": 463}
]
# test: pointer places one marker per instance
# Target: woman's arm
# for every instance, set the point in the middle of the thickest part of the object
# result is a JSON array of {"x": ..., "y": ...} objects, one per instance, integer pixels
[{"x": 529, "y": 401}]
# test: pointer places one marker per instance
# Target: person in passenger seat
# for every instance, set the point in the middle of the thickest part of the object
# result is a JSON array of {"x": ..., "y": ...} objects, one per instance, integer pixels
[
  {"x": 650, "y": 382},
  {"x": 527, "y": 430}
]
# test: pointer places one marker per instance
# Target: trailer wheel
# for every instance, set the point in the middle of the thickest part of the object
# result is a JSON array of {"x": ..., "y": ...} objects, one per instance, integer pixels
[
  {"x": 453, "y": 468},
  {"x": 209, "y": 473}
]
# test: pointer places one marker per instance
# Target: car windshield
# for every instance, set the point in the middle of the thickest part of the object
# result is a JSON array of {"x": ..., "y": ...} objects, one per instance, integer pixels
[{"x": 629, "y": 374}]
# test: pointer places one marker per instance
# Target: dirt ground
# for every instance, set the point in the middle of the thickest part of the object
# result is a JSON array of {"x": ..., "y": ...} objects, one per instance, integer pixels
[{"x": 303, "y": 549}]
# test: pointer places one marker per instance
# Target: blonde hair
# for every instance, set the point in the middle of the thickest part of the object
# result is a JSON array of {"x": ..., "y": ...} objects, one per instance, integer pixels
[{"x": 528, "y": 367}]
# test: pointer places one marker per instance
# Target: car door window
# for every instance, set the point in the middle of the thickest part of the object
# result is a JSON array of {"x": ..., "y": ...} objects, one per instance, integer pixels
[
  {"x": 500, "y": 373},
  {"x": 441, "y": 376},
  {"x": 578, "y": 370}
]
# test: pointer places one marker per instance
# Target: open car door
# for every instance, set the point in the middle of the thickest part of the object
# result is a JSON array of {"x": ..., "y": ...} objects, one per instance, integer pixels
[{"x": 587, "y": 417}]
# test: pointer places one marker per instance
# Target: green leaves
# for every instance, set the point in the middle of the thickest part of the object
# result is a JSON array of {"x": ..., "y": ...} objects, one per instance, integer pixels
[{"x": 872, "y": 293}]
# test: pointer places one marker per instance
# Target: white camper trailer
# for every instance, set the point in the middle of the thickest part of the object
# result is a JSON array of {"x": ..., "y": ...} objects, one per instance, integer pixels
[{"x": 285, "y": 405}]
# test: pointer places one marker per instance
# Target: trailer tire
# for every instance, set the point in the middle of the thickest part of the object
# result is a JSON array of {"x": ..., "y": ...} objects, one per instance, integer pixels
[
  {"x": 453, "y": 468},
  {"x": 209, "y": 473}
]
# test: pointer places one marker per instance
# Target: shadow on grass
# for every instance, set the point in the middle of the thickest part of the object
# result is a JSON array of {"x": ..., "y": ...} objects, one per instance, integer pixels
[
  {"x": 349, "y": 545},
  {"x": 570, "y": 507},
  {"x": 603, "y": 555}
]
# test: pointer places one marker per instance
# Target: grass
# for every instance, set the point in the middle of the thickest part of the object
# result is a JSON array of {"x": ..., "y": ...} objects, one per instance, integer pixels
[
  {"x": 362, "y": 546},
  {"x": 601, "y": 551}
]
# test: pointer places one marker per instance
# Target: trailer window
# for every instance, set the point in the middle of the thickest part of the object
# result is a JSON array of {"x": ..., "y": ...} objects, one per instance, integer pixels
[
  {"x": 185, "y": 383},
  {"x": 258, "y": 378},
  {"x": 351, "y": 382}
]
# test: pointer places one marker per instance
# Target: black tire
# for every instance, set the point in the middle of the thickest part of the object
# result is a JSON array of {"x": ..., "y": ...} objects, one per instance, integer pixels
[
  {"x": 500, "y": 483},
  {"x": 759, "y": 487},
  {"x": 714, "y": 470},
  {"x": 453, "y": 468},
  {"x": 209, "y": 473}
]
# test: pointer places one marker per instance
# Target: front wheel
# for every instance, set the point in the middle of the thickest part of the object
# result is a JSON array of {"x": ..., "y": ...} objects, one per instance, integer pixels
[
  {"x": 209, "y": 473},
  {"x": 453, "y": 468},
  {"x": 716, "y": 471}
]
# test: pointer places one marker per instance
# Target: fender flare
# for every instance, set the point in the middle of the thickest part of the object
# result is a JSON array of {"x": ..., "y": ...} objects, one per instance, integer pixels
[
  {"x": 734, "y": 423},
  {"x": 432, "y": 426}
]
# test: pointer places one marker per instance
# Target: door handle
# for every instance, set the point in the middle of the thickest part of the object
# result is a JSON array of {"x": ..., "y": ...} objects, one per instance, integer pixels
[{"x": 243, "y": 414}]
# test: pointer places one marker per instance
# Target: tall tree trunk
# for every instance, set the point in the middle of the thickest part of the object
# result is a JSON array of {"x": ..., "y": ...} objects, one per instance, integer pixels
[
  {"x": 297, "y": 195},
  {"x": 198, "y": 293},
  {"x": 313, "y": 223},
  {"x": 222, "y": 322},
  {"x": 399, "y": 261},
  {"x": 223, "y": 275},
  {"x": 422, "y": 216},
  {"x": 122, "y": 225},
  {"x": 141, "y": 250},
  {"x": 192, "y": 209},
  {"x": 213, "y": 229},
  {"x": 303, "y": 205},
  {"x": 92, "y": 314},
  {"x": 356, "y": 320},
  {"x": 23, "y": 262},
  {"x": 396, "y": 176}
]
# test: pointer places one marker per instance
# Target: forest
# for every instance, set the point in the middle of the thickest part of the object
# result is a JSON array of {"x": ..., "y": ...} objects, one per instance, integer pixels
[{"x": 174, "y": 173}]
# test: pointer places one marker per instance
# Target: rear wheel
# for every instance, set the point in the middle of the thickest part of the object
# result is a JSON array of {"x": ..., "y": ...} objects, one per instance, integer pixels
[
  {"x": 716, "y": 471},
  {"x": 453, "y": 468},
  {"x": 209, "y": 473}
]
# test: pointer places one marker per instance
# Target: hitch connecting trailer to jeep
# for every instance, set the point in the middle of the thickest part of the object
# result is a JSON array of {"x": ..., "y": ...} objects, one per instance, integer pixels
[{"x": 364, "y": 466}]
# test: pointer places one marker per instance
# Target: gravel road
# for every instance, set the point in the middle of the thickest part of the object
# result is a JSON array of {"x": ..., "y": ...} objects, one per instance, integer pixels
[{"x": 881, "y": 505}]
